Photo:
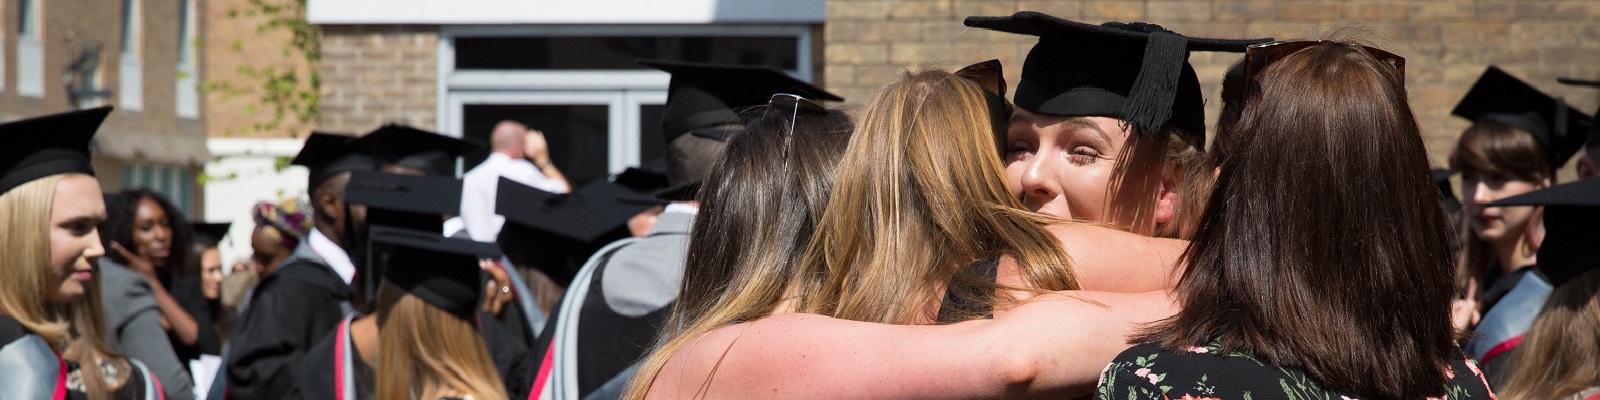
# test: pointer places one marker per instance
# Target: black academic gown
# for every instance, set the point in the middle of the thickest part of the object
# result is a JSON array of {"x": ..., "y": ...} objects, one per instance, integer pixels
[
  {"x": 187, "y": 293},
  {"x": 292, "y": 309}
]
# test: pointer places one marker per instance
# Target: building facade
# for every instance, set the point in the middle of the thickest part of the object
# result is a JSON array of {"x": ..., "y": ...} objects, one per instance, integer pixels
[{"x": 137, "y": 55}]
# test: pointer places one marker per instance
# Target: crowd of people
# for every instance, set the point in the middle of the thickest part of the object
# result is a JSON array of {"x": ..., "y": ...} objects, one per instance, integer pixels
[{"x": 1077, "y": 238}]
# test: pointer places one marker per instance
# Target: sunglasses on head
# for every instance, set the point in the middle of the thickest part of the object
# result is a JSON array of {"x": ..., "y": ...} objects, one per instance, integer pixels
[
  {"x": 1258, "y": 56},
  {"x": 989, "y": 76},
  {"x": 794, "y": 105}
]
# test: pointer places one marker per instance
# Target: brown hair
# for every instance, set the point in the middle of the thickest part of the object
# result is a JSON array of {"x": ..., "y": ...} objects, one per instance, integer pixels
[
  {"x": 1560, "y": 354},
  {"x": 1493, "y": 149},
  {"x": 765, "y": 203},
  {"x": 425, "y": 351},
  {"x": 1324, "y": 246}
]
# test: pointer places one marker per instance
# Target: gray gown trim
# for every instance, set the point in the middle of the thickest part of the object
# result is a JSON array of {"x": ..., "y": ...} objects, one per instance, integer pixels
[
  {"x": 23, "y": 378},
  {"x": 563, "y": 381}
]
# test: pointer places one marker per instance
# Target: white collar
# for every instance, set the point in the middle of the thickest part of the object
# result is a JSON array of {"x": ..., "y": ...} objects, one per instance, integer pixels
[
  {"x": 683, "y": 208},
  {"x": 333, "y": 255}
]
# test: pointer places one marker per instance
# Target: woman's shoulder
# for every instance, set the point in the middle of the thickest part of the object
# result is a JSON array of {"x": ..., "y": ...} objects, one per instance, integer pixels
[
  {"x": 1201, "y": 372},
  {"x": 11, "y": 330}
]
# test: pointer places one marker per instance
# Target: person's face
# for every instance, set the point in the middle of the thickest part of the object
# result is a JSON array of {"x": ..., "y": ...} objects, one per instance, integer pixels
[
  {"x": 1077, "y": 168},
  {"x": 1493, "y": 224},
  {"x": 75, "y": 212},
  {"x": 211, "y": 273},
  {"x": 263, "y": 245},
  {"x": 152, "y": 232}
]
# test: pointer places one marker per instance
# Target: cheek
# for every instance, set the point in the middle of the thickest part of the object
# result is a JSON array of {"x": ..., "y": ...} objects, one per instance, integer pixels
[
  {"x": 64, "y": 251},
  {"x": 1014, "y": 171}
]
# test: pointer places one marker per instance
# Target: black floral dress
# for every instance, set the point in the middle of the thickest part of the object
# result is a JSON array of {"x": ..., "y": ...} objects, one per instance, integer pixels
[{"x": 1148, "y": 372}]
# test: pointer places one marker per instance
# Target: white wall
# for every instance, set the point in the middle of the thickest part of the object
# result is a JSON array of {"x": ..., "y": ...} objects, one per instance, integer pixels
[
  {"x": 242, "y": 173},
  {"x": 564, "y": 11}
]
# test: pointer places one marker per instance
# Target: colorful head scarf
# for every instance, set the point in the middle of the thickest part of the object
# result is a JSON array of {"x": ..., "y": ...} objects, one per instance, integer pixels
[{"x": 290, "y": 221}]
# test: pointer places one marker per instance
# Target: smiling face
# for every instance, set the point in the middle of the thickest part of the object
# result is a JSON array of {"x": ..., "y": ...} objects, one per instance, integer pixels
[
  {"x": 152, "y": 232},
  {"x": 1086, "y": 169},
  {"x": 75, "y": 211},
  {"x": 1495, "y": 224}
]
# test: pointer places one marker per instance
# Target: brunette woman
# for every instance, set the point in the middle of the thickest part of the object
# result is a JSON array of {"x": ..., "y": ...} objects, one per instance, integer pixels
[
  {"x": 1322, "y": 276},
  {"x": 149, "y": 247}
]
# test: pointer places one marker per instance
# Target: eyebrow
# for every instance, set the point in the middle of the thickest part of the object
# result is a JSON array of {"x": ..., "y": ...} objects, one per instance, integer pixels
[{"x": 1084, "y": 122}]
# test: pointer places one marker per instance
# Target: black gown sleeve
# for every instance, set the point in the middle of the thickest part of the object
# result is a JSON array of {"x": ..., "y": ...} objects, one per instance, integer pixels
[
  {"x": 314, "y": 378},
  {"x": 283, "y": 321}
]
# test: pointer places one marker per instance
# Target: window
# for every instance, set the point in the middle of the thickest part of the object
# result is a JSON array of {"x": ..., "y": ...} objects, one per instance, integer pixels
[
  {"x": 621, "y": 52},
  {"x": 175, "y": 182},
  {"x": 188, "y": 96},
  {"x": 130, "y": 90},
  {"x": 30, "y": 49}
]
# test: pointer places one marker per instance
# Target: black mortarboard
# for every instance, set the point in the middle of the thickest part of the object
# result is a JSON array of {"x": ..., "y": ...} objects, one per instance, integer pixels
[
  {"x": 327, "y": 154},
  {"x": 1136, "y": 72},
  {"x": 584, "y": 216},
  {"x": 1500, "y": 97},
  {"x": 405, "y": 201},
  {"x": 1571, "y": 215},
  {"x": 49, "y": 145},
  {"x": 439, "y": 270},
  {"x": 410, "y": 147},
  {"x": 704, "y": 95},
  {"x": 1441, "y": 178},
  {"x": 1594, "y": 126},
  {"x": 209, "y": 234},
  {"x": 641, "y": 180}
]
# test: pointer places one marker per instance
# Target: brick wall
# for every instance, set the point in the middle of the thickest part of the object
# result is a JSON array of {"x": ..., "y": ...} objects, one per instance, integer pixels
[
  {"x": 235, "y": 39},
  {"x": 372, "y": 74},
  {"x": 1447, "y": 43}
]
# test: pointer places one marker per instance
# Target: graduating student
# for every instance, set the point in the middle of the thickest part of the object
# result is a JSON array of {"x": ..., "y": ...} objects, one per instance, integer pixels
[
  {"x": 305, "y": 297},
  {"x": 402, "y": 149},
  {"x": 634, "y": 282},
  {"x": 1106, "y": 118},
  {"x": 1518, "y": 138},
  {"x": 1559, "y": 357}
]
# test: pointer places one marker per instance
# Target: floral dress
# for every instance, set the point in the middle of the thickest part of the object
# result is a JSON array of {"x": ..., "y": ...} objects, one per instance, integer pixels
[{"x": 1148, "y": 372}]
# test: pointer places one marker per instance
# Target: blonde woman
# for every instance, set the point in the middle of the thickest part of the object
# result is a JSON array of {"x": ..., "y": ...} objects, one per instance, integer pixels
[{"x": 432, "y": 345}]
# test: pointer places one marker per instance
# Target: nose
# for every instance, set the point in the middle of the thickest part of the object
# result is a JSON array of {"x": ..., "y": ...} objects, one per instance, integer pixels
[
  {"x": 95, "y": 249},
  {"x": 1038, "y": 179},
  {"x": 1480, "y": 193}
]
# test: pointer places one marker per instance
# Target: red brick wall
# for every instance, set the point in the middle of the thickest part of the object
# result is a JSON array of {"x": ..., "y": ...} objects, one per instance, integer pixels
[{"x": 1447, "y": 43}]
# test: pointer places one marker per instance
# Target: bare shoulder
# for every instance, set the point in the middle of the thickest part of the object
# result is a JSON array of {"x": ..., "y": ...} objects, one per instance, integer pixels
[{"x": 1114, "y": 260}]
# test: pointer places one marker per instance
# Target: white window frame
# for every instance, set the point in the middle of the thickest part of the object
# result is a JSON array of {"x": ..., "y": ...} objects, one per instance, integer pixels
[
  {"x": 623, "y": 90},
  {"x": 130, "y": 90},
  {"x": 188, "y": 91},
  {"x": 30, "y": 52}
]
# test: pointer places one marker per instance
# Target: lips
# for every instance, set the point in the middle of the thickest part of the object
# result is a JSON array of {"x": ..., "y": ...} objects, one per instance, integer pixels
[
  {"x": 159, "y": 252},
  {"x": 83, "y": 274}
]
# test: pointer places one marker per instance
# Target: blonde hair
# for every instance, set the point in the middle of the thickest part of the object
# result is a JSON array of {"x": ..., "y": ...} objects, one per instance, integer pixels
[
  {"x": 425, "y": 351},
  {"x": 919, "y": 194},
  {"x": 1560, "y": 354},
  {"x": 24, "y": 268},
  {"x": 88, "y": 346}
]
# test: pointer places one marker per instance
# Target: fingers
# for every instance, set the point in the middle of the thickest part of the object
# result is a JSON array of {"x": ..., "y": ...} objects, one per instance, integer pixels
[{"x": 122, "y": 250}]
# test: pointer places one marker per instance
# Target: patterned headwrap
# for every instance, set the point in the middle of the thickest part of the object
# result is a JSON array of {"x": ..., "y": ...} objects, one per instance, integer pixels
[{"x": 290, "y": 221}]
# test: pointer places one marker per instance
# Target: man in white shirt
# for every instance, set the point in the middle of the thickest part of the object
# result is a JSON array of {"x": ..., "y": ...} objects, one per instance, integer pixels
[{"x": 513, "y": 146}]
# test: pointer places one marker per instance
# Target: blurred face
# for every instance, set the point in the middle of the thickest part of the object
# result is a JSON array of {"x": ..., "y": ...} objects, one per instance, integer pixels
[
  {"x": 1076, "y": 168},
  {"x": 211, "y": 273},
  {"x": 152, "y": 232},
  {"x": 1496, "y": 224},
  {"x": 266, "y": 249},
  {"x": 74, "y": 242}
]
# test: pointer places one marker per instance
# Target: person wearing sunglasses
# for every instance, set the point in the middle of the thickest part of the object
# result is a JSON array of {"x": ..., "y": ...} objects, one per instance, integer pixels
[
  {"x": 1316, "y": 277},
  {"x": 1103, "y": 122}
]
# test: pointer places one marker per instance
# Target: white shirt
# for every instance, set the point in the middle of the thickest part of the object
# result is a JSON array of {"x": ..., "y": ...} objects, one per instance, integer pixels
[
  {"x": 481, "y": 185},
  {"x": 333, "y": 255}
]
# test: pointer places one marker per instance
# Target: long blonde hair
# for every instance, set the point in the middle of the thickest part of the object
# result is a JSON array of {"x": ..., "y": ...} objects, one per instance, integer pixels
[
  {"x": 24, "y": 268},
  {"x": 1560, "y": 354},
  {"x": 88, "y": 346},
  {"x": 919, "y": 194},
  {"x": 424, "y": 350}
]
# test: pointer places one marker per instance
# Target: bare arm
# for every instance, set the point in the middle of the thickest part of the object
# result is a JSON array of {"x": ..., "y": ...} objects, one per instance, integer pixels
[
  {"x": 1052, "y": 346},
  {"x": 173, "y": 316},
  {"x": 1110, "y": 260}
]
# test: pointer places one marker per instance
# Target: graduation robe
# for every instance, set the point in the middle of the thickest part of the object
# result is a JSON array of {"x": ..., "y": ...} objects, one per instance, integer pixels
[
  {"x": 32, "y": 369},
  {"x": 291, "y": 309},
  {"x": 332, "y": 369}
]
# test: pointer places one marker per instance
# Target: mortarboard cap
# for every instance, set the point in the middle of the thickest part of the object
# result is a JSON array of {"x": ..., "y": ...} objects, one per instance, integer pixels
[
  {"x": 49, "y": 145},
  {"x": 1135, "y": 72},
  {"x": 1594, "y": 126},
  {"x": 703, "y": 95},
  {"x": 1441, "y": 178},
  {"x": 209, "y": 234},
  {"x": 402, "y": 145},
  {"x": 1500, "y": 97},
  {"x": 1571, "y": 213},
  {"x": 405, "y": 201},
  {"x": 584, "y": 216},
  {"x": 642, "y": 180},
  {"x": 328, "y": 154},
  {"x": 441, "y": 271}
]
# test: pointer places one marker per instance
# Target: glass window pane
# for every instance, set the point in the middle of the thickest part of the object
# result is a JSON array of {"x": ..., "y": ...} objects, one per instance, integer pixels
[
  {"x": 651, "y": 145},
  {"x": 578, "y": 134},
  {"x": 130, "y": 27},
  {"x": 621, "y": 52},
  {"x": 25, "y": 28}
]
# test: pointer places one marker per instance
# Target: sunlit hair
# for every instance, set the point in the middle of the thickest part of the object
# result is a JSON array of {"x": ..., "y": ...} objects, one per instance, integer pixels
[
  {"x": 426, "y": 351},
  {"x": 1493, "y": 150},
  {"x": 90, "y": 345},
  {"x": 25, "y": 283},
  {"x": 1560, "y": 354},
  {"x": 1198, "y": 169},
  {"x": 918, "y": 195},
  {"x": 758, "y": 212},
  {"x": 1324, "y": 245}
]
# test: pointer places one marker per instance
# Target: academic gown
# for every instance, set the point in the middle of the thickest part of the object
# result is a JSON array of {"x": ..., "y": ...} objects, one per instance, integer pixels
[
  {"x": 32, "y": 369},
  {"x": 292, "y": 308},
  {"x": 323, "y": 371},
  {"x": 187, "y": 292}
]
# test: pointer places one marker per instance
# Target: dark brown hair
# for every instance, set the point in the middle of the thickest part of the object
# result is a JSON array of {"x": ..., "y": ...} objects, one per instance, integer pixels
[
  {"x": 1496, "y": 149},
  {"x": 1324, "y": 246}
]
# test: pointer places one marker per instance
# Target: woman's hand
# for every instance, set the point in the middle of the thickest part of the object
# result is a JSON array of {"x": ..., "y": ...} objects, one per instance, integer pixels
[
  {"x": 497, "y": 292},
  {"x": 136, "y": 262}
]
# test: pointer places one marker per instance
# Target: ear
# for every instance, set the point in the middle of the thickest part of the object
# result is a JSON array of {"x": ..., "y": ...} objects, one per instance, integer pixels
[
  {"x": 329, "y": 205},
  {"x": 1586, "y": 168},
  {"x": 1166, "y": 201}
]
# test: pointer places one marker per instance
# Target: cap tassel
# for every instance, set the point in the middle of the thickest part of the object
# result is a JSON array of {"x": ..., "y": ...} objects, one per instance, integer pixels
[{"x": 1150, "y": 100}]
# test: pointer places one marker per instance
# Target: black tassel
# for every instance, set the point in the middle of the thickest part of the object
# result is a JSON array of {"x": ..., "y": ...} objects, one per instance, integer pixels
[{"x": 1149, "y": 104}]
